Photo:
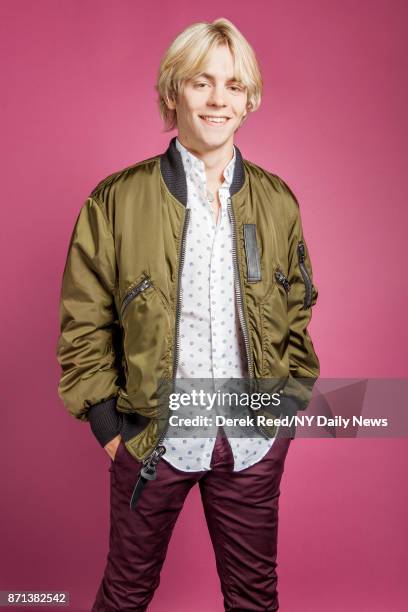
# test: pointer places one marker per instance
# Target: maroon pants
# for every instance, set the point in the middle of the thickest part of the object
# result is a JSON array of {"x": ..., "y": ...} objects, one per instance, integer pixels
[{"x": 241, "y": 510}]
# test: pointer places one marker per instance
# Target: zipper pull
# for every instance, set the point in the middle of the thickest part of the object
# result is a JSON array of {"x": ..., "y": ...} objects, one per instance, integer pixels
[
  {"x": 148, "y": 472},
  {"x": 144, "y": 284},
  {"x": 305, "y": 275},
  {"x": 141, "y": 286},
  {"x": 149, "y": 464},
  {"x": 301, "y": 252},
  {"x": 281, "y": 278}
]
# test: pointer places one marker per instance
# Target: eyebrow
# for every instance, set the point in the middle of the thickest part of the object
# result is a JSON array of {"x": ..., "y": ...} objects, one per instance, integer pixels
[{"x": 205, "y": 75}]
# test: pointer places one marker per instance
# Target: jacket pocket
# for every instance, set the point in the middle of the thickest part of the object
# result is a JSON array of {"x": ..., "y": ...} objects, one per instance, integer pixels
[
  {"x": 278, "y": 278},
  {"x": 310, "y": 290},
  {"x": 274, "y": 327},
  {"x": 137, "y": 289},
  {"x": 282, "y": 279},
  {"x": 147, "y": 325},
  {"x": 133, "y": 292}
]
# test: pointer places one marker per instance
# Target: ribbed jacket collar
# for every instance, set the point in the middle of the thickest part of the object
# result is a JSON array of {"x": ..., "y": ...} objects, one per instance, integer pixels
[{"x": 172, "y": 169}]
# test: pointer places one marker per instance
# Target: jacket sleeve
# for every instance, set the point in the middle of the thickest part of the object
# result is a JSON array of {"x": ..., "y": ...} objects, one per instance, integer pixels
[
  {"x": 304, "y": 364},
  {"x": 87, "y": 348}
]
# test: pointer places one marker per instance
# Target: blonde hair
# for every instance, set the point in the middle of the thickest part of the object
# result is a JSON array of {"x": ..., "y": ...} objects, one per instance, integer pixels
[{"x": 187, "y": 54}]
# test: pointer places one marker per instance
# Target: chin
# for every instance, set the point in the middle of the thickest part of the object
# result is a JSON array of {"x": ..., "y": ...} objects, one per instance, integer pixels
[{"x": 222, "y": 136}]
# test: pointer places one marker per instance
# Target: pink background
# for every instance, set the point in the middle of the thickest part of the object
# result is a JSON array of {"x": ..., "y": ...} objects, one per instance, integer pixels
[{"x": 78, "y": 103}]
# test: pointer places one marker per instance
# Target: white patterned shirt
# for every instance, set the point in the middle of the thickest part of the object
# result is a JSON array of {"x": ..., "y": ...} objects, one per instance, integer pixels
[{"x": 211, "y": 345}]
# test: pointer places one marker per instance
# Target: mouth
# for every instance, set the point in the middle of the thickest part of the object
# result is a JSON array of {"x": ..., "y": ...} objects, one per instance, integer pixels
[{"x": 214, "y": 120}]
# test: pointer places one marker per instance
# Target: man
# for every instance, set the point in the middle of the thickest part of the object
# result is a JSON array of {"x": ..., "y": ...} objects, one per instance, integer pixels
[{"x": 190, "y": 264}]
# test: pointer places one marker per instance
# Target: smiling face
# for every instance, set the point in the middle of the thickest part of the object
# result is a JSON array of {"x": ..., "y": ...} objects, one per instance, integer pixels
[{"x": 211, "y": 105}]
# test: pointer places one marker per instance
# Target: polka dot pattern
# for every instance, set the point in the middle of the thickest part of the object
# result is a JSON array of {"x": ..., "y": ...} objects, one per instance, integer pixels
[{"x": 211, "y": 341}]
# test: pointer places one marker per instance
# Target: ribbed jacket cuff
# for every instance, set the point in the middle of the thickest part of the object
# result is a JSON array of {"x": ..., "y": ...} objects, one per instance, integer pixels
[{"x": 105, "y": 421}]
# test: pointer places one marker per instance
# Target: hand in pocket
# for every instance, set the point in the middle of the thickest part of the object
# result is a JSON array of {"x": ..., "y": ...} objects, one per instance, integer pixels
[{"x": 112, "y": 446}]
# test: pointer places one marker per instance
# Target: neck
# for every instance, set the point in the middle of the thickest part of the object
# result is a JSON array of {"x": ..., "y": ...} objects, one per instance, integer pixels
[{"x": 215, "y": 160}]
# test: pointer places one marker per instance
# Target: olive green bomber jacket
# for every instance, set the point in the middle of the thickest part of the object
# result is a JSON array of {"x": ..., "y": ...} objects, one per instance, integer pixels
[{"x": 120, "y": 294}]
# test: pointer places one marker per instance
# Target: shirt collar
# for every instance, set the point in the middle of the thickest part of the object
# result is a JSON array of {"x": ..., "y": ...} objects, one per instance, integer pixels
[{"x": 195, "y": 167}]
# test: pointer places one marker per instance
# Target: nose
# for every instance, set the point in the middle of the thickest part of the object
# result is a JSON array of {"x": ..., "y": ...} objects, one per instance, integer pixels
[{"x": 216, "y": 97}]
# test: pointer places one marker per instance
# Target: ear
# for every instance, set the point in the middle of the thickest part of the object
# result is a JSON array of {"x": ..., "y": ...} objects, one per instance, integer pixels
[
  {"x": 247, "y": 111},
  {"x": 170, "y": 103},
  {"x": 243, "y": 118}
]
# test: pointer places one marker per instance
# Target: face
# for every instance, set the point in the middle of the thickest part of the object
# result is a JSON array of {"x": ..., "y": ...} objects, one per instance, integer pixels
[{"x": 211, "y": 94}]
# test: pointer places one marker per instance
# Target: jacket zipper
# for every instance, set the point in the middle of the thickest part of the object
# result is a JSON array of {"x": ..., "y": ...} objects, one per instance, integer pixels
[
  {"x": 306, "y": 278},
  {"x": 283, "y": 280},
  {"x": 144, "y": 284},
  {"x": 149, "y": 464},
  {"x": 239, "y": 293},
  {"x": 148, "y": 470}
]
